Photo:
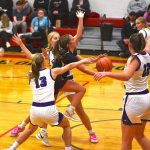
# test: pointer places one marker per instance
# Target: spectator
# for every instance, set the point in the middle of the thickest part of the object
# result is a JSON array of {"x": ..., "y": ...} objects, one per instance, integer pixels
[
  {"x": 138, "y": 6},
  {"x": 5, "y": 29},
  {"x": 6, "y": 5},
  {"x": 19, "y": 17},
  {"x": 147, "y": 16},
  {"x": 128, "y": 29},
  {"x": 41, "y": 4},
  {"x": 76, "y": 5},
  {"x": 58, "y": 10},
  {"x": 40, "y": 26},
  {"x": 26, "y": 7}
]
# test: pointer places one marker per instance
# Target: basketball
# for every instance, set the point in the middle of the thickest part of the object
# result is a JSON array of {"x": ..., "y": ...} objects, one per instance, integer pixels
[{"x": 104, "y": 64}]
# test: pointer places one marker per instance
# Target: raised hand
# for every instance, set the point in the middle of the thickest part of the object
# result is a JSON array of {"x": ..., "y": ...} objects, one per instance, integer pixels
[
  {"x": 17, "y": 40},
  {"x": 80, "y": 14}
]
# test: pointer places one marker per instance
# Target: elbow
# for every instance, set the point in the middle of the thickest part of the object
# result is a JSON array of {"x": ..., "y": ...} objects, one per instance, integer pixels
[{"x": 126, "y": 78}]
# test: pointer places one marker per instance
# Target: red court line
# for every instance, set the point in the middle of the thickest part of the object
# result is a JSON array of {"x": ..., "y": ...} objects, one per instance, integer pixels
[
  {"x": 3, "y": 134},
  {"x": 7, "y": 131},
  {"x": 23, "y": 56}
]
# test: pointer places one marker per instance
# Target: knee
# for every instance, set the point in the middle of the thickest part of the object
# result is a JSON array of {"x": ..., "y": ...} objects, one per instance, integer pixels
[
  {"x": 24, "y": 24},
  {"x": 83, "y": 89},
  {"x": 65, "y": 123},
  {"x": 139, "y": 137}
]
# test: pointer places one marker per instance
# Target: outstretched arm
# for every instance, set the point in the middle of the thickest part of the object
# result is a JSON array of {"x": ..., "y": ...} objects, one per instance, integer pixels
[
  {"x": 80, "y": 15},
  {"x": 57, "y": 71},
  {"x": 123, "y": 76},
  {"x": 83, "y": 67},
  {"x": 19, "y": 42}
]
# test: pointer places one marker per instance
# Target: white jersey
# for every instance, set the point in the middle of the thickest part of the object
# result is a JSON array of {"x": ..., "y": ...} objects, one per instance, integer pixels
[
  {"x": 43, "y": 89},
  {"x": 139, "y": 82},
  {"x": 145, "y": 32},
  {"x": 51, "y": 57}
]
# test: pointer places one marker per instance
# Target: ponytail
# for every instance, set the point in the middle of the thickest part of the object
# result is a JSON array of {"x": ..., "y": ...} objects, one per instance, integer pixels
[
  {"x": 61, "y": 46},
  {"x": 138, "y": 42},
  {"x": 37, "y": 62}
]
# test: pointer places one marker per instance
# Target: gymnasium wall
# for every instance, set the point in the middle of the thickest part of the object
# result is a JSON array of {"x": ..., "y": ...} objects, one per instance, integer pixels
[{"x": 112, "y": 8}]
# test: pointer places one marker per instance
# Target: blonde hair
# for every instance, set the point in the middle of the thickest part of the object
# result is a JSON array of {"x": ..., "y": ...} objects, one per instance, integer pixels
[
  {"x": 50, "y": 36},
  {"x": 142, "y": 20},
  {"x": 5, "y": 20},
  {"x": 37, "y": 62}
]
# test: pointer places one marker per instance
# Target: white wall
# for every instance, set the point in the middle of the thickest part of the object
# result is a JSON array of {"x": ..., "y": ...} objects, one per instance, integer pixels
[{"x": 112, "y": 8}]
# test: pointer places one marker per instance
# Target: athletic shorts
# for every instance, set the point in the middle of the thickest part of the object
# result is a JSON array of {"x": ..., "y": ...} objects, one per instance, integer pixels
[
  {"x": 41, "y": 114},
  {"x": 59, "y": 83},
  {"x": 136, "y": 109}
]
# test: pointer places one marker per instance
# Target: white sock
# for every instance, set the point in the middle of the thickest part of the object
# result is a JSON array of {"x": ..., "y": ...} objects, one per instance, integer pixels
[
  {"x": 22, "y": 125},
  {"x": 71, "y": 109},
  {"x": 15, "y": 145},
  {"x": 43, "y": 132},
  {"x": 91, "y": 131},
  {"x": 68, "y": 148}
]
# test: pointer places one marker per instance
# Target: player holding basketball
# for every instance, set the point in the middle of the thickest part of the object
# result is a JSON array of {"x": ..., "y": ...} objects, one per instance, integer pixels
[{"x": 136, "y": 109}]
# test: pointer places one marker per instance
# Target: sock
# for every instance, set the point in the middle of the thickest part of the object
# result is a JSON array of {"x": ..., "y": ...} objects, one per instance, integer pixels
[
  {"x": 68, "y": 148},
  {"x": 43, "y": 132},
  {"x": 71, "y": 109},
  {"x": 22, "y": 125},
  {"x": 91, "y": 131},
  {"x": 15, "y": 145}
]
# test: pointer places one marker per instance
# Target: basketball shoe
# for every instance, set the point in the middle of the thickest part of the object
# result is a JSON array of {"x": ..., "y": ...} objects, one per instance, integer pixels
[
  {"x": 15, "y": 131},
  {"x": 93, "y": 138},
  {"x": 71, "y": 115},
  {"x": 42, "y": 135}
]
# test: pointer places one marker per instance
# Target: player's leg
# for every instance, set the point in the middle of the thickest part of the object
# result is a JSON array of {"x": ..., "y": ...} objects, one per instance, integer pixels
[
  {"x": 19, "y": 128},
  {"x": 23, "y": 137},
  {"x": 141, "y": 138}
]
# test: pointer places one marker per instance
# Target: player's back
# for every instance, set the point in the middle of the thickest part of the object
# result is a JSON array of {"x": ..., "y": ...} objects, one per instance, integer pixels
[
  {"x": 43, "y": 88},
  {"x": 139, "y": 82}
]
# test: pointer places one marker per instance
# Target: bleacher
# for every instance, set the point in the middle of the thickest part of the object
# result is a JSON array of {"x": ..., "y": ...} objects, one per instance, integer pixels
[{"x": 91, "y": 33}]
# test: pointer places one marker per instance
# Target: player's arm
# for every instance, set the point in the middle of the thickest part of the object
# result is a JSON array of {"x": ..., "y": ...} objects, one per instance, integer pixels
[
  {"x": 123, "y": 76},
  {"x": 58, "y": 71},
  {"x": 83, "y": 67},
  {"x": 19, "y": 42},
  {"x": 80, "y": 15}
]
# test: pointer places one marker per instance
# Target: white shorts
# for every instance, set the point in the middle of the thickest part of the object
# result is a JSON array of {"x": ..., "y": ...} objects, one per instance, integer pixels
[
  {"x": 136, "y": 109},
  {"x": 45, "y": 115}
]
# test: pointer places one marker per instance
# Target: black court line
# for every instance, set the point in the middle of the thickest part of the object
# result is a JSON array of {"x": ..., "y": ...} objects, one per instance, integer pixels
[
  {"x": 20, "y": 103},
  {"x": 97, "y": 121}
]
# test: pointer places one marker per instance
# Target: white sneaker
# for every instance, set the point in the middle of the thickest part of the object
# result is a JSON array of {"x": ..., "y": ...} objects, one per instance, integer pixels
[
  {"x": 10, "y": 148},
  {"x": 7, "y": 44},
  {"x": 43, "y": 138},
  {"x": 71, "y": 116}
]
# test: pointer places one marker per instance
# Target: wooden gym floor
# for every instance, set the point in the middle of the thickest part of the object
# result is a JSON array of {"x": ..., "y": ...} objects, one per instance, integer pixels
[{"x": 102, "y": 102}]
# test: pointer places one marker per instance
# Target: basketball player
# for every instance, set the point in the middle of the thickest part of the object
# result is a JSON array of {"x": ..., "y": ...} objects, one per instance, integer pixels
[
  {"x": 136, "y": 109},
  {"x": 145, "y": 30},
  {"x": 52, "y": 38},
  {"x": 43, "y": 109}
]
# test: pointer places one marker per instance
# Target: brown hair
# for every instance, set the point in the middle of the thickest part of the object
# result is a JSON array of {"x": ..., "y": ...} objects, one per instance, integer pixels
[
  {"x": 61, "y": 45},
  {"x": 138, "y": 42},
  {"x": 37, "y": 62}
]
